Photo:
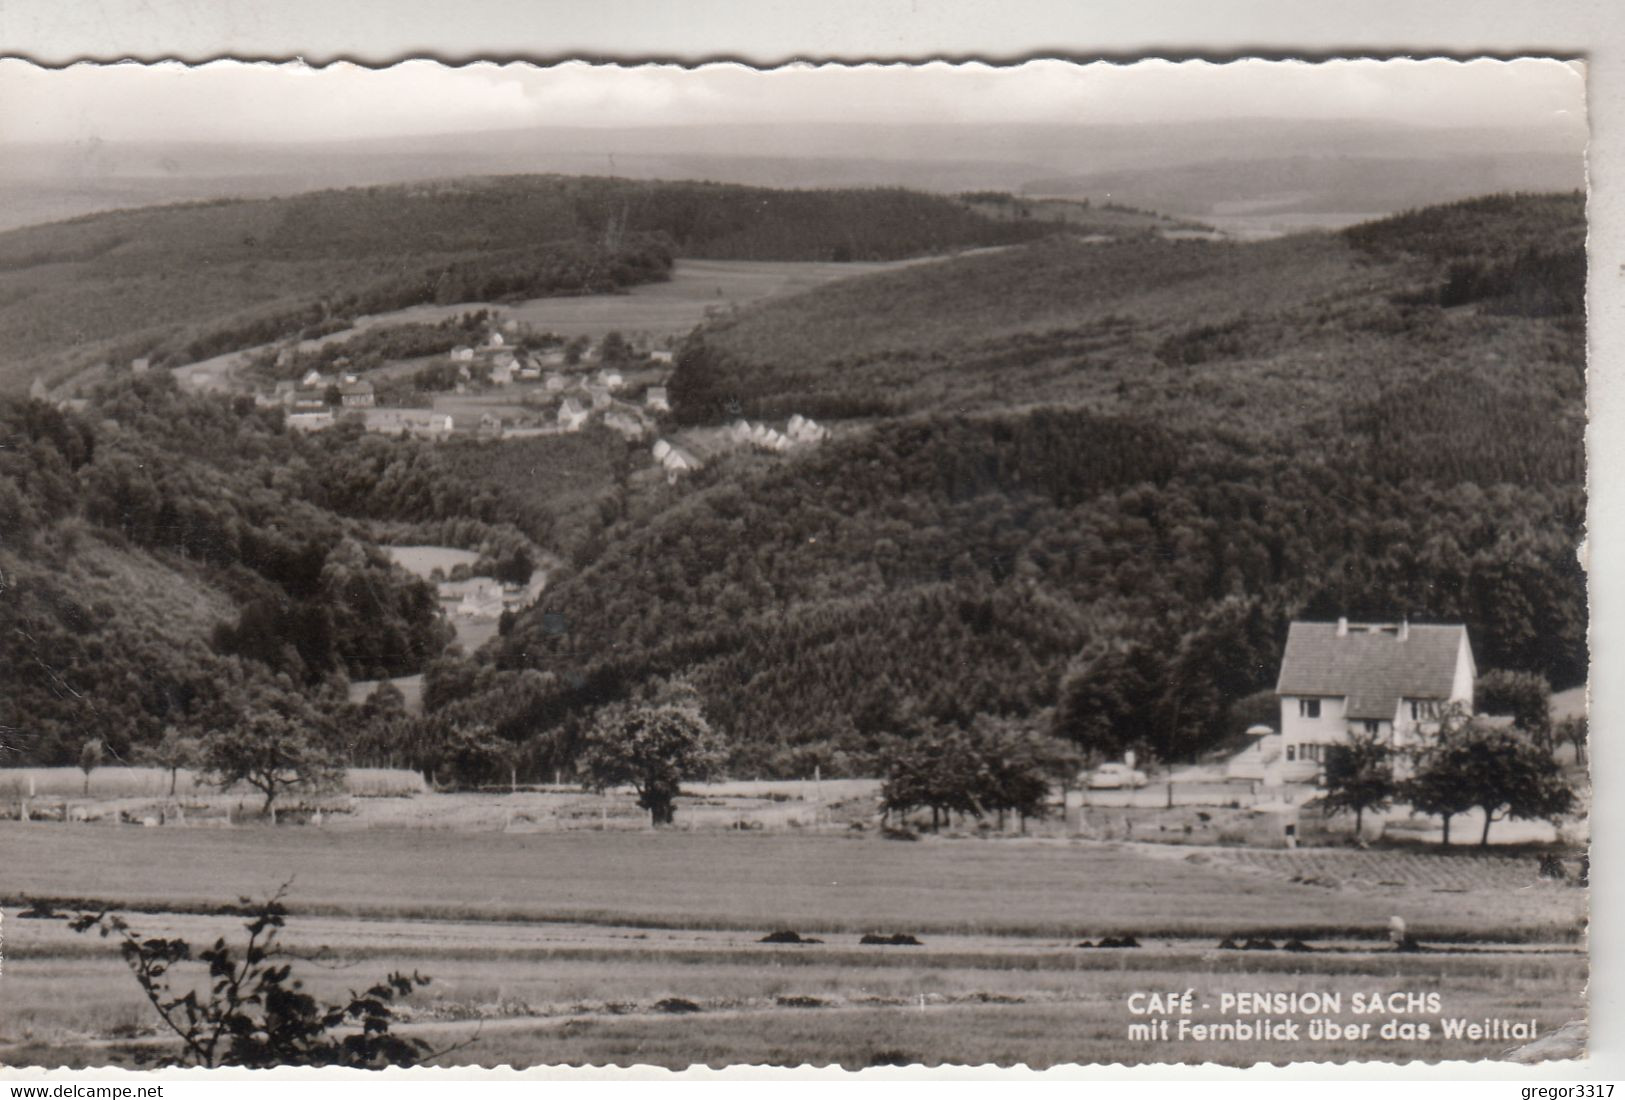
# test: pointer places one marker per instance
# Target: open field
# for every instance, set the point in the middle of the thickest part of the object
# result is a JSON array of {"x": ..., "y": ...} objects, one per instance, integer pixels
[
  {"x": 420, "y": 561},
  {"x": 535, "y": 993},
  {"x": 573, "y": 947},
  {"x": 746, "y": 880}
]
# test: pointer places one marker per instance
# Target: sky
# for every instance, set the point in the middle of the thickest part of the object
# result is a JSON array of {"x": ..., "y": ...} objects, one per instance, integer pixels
[{"x": 230, "y": 101}]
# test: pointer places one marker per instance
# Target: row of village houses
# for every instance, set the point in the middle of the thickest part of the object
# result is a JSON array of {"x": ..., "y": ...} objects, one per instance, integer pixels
[{"x": 581, "y": 396}]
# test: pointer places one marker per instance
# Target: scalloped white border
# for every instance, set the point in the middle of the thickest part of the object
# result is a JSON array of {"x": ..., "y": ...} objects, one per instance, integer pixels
[{"x": 128, "y": 29}]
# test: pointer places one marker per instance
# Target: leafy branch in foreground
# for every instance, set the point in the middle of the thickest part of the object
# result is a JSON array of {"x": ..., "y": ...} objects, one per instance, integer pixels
[{"x": 255, "y": 1014}]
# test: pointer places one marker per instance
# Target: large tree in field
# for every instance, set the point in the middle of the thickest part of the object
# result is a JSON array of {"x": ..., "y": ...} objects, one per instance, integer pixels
[
  {"x": 1499, "y": 771},
  {"x": 651, "y": 748},
  {"x": 1359, "y": 777},
  {"x": 271, "y": 750}
]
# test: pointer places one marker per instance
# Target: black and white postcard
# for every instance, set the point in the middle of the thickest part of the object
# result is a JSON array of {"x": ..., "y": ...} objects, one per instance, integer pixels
[{"x": 585, "y": 564}]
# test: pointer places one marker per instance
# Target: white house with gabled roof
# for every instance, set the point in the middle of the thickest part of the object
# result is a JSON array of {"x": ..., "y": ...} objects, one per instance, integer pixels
[{"x": 1386, "y": 680}]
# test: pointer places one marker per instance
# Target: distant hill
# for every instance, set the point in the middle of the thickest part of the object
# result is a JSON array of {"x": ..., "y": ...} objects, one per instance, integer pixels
[
  {"x": 1106, "y": 324},
  {"x": 1086, "y": 486},
  {"x": 185, "y": 282},
  {"x": 47, "y": 182},
  {"x": 1342, "y": 187}
]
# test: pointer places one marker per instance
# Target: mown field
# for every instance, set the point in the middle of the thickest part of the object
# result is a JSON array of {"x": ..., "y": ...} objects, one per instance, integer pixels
[
  {"x": 815, "y": 883},
  {"x": 643, "y": 948},
  {"x": 529, "y": 994}
]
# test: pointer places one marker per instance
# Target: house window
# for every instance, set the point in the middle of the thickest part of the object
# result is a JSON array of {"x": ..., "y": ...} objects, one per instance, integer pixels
[
  {"x": 1291, "y": 753},
  {"x": 1308, "y": 708},
  {"x": 1423, "y": 708},
  {"x": 1311, "y": 752},
  {"x": 1372, "y": 725}
]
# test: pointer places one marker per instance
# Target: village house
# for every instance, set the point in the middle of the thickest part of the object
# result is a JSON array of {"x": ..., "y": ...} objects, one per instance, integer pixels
[
  {"x": 482, "y": 599},
  {"x": 494, "y": 340},
  {"x": 803, "y": 429},
  {"x": 610, "y": 379},
  {"x": 628, "y": 425},
  {"x": 529, "y": 371},
  {"x": 655, "y": 400},
  {"x": 599, "y": 396},
  {"x": 555, "y": 382},
  {"x": 674, "y": 460},
  {"x": 572, "y": 415},
  {"x": 502, "y": 372},
  {"x": 309, "y": 421},
  {"x": 139, "y": 365},
  {"x": 419, "y": 422},
  {"x": 462, "y": 353},
  {"x": 1338, "y": 680},
  {"x": 356, "y": 393},
  {"x": 314, "y": 379},
  {"x": 37, "y": 390},
  {"x": 662, "y": 356}
]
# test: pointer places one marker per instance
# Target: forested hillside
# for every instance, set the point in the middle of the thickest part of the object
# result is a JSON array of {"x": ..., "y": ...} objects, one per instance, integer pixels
[
  {"x": 181, "y": 283},
  {"x": 1083, "y": 487},
  {"x": 161, "y": 552},
  {"x": 1090, "y": 485}
]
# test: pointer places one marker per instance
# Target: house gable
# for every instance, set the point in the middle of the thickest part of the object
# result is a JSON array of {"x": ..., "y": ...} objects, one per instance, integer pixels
[{"x": 1375, "y": 667}]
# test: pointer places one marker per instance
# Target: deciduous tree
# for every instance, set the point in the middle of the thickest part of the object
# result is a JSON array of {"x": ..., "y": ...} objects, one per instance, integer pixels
[
  {"x": 172, "y": 752},
  {"x": 1359, "y": 776},
  {"x": 270, "y": 750},
  {"x": 1498, "y": 771},
  {"x": 651, "y": 748}
]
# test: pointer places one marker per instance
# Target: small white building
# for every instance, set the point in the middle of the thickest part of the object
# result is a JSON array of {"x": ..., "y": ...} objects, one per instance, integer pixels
[
  {"x": 677, "y": 462},
  {"x": 356, "y": 393},
  {"x": 803, "y": 429},
  {"x": 481, "y": 600},
  {"x": 572, "y": 415},
  {"x": 655, "y": 400},
  {"x": 662, "y": 356},
  {"x": 462, "y": 353},
  {"x": 309, "y": 421},
  {"x": 610, "y": 379},
  {"x": 630, "y": 427}
]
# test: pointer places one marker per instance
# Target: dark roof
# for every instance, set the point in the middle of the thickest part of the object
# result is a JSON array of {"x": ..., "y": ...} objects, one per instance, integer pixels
[
  {"x": 1372, "y": 664},
  {"x": 350, "y": 389}
]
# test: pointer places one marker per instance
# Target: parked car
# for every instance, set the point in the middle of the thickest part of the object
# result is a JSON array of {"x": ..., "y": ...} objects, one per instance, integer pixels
[{"x": 1114, "y": 777}]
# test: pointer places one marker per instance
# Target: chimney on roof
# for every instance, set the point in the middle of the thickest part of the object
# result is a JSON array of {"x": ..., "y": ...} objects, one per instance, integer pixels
[
  {"x": 1404, "y": 629},
  {"x": 1342, "y": 627}
]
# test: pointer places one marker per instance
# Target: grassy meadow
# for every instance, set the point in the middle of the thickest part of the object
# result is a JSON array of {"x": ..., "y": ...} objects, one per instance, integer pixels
[
  {"x": 541, "y": 994},
  {"x": 814, "y": 883}
]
